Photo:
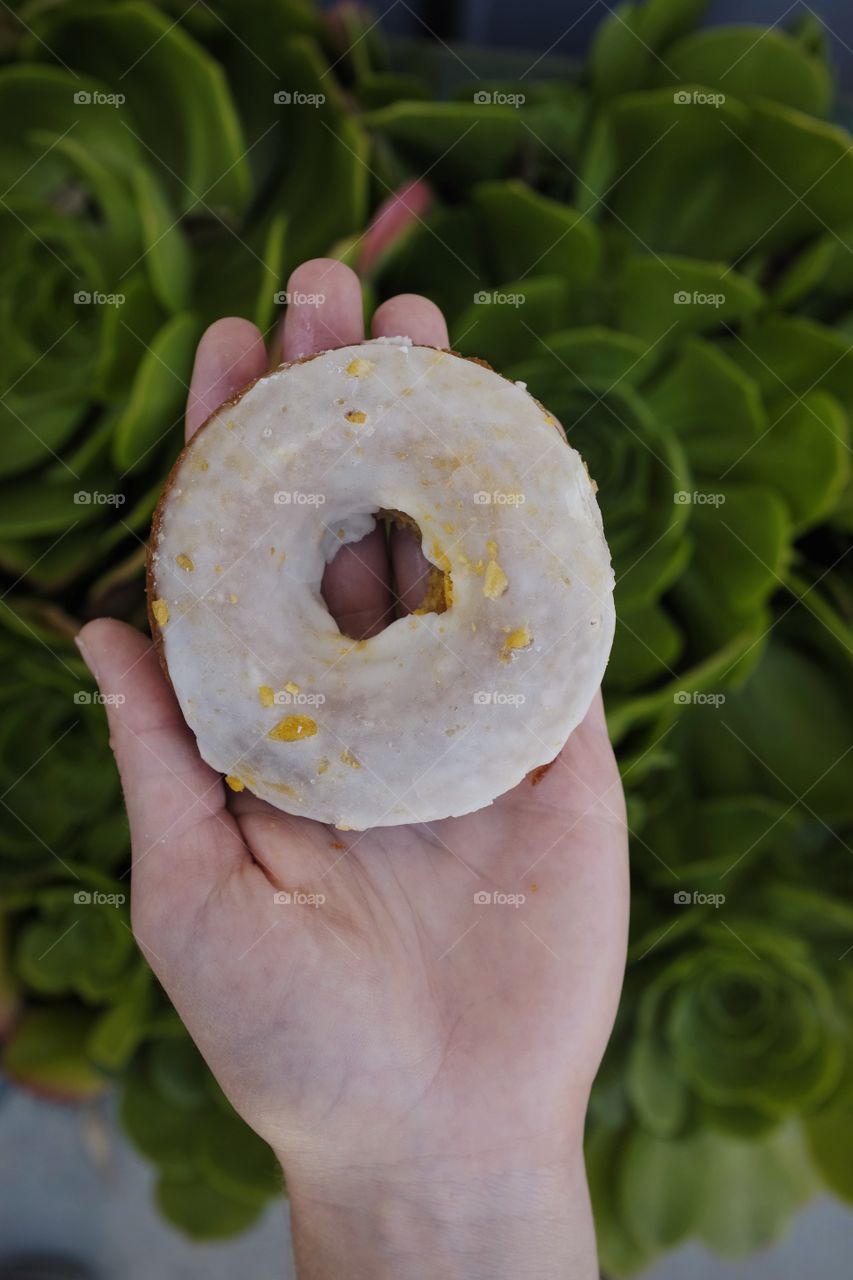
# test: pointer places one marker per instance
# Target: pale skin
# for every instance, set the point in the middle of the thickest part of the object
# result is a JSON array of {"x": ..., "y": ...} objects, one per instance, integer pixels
[{"x": 420, "y": 1063}]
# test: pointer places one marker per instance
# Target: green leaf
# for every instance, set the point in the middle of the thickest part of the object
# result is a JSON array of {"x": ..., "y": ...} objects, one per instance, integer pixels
[
  {"x": 751, "y": 62},
  {"x": 46, "y": 1052},
  {"x": 529, "y": 234},
  {"x": 162, "y": 1132},
  {"x": 158, "y": 395},
  {"x": 713, "y": 407},
  {"x": 658, "y": 1092},
  {"x": 750, "y": 1189},
  {"x": 804, "y": 455},
  {"x": 661, "y": 1187},
  {"x": 165, "y": 248},
  {"x": 178, "y": 1071},
  {"x": 32, "y": 507},
  {"x": 501, "y": 323},
  {"x": 661, "y": 299},
  {"x": 177, "y": 104},
  {"x": 200, "y": 1210},
  {"x": 828, "y": 1136},
  {"x": 234, "y": 1160},
  {"x": 458, "y": 141}
]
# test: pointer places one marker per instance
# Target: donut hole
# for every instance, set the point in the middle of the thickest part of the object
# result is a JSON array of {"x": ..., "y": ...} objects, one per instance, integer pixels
[{"x": 393, "y": 554}]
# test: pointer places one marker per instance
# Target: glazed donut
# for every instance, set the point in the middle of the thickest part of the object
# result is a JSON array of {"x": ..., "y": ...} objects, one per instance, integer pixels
[{"x": 448, "y": 707}]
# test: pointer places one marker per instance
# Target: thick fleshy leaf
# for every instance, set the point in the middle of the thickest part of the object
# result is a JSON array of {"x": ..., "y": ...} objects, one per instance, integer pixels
[
  {"x": 530, "y": 235},
  {"x": 154, "y": 412},
  {"x": 46, "y": 1053},
  {"x": 751, "y": 62},
  {"x": 175, "y": 100},
  {"x": 200, "y": 1210}
]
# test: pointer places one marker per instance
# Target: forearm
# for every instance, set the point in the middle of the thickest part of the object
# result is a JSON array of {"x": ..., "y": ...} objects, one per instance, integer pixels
[{"x": 451, "y": 1226}]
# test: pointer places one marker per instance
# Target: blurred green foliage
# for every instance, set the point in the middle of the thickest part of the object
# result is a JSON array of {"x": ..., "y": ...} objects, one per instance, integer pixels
[{"x": 677, "y": 220}]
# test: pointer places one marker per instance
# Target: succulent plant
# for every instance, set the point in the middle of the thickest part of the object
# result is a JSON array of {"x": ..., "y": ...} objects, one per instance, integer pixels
[{"x": 659, "y": 244}]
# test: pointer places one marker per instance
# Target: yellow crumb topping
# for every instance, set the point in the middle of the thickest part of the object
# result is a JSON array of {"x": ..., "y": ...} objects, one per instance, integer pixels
[
  {"x": 291, "y": 687},
  {"x": 355, "y": 415},
  {"x": 230, "y": 424},
  {"x": 161, "y": 612},
  {"x": 520, "y": 638},
  {"x": 292, "y": 728},
  {"x": 217, "y": 568},
  {"x": 357, "y": 367},
  {"x": 266, "y": 695},
  {"x": 347, "y": 757},
  {"x": 232, "y": 599},
  {"x": 184, "y": 562},
  {"x": 322, "y": 765},
  {"x": 492, "y": 548},
  {"x": 234, "y": 783},
  {"x": 495, "y": 581}
]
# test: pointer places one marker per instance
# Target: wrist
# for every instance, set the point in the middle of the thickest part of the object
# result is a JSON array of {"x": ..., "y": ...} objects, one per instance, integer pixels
[{"x": 457, "y": 1220}]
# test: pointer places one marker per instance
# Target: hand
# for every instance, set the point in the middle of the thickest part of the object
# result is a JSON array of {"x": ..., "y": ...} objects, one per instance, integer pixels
[{"x": 420, "y": 1063}]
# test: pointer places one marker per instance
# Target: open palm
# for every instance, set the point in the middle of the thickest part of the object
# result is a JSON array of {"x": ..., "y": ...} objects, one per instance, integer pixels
[{"x": 385, "y": 1012}]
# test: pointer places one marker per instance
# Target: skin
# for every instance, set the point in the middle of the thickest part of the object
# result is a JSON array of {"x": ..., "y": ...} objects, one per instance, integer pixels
[{"x": 421, "y": 1064}]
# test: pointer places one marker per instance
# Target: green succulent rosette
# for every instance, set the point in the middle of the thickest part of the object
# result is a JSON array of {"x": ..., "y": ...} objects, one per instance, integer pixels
[{"x": 586, "y": 229}]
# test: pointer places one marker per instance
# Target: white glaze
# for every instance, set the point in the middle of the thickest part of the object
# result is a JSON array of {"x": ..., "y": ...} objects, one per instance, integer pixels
[{"x": 438, "y": 430}]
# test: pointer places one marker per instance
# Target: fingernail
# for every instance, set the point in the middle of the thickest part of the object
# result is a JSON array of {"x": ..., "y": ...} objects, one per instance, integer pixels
[{"x": 86, "y": 654}]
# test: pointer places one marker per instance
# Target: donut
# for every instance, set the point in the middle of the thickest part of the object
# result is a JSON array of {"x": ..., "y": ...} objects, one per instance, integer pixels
[{"x": 448, "y": 707}]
